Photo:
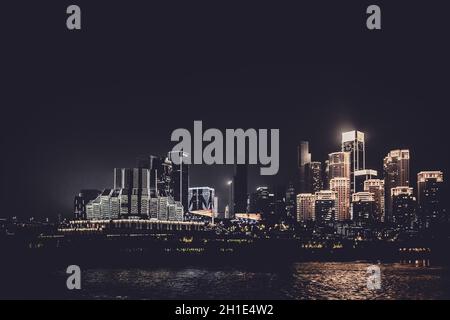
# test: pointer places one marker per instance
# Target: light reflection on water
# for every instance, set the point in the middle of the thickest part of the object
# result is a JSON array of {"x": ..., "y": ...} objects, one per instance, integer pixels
[{"x": 309, "y": 280}]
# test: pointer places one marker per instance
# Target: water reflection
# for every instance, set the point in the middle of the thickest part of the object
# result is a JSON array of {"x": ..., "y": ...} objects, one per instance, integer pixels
[{"x": 409, "y": 279}]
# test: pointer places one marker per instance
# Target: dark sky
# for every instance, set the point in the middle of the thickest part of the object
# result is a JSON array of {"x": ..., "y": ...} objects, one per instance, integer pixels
[{"x": 77, "y": 104}]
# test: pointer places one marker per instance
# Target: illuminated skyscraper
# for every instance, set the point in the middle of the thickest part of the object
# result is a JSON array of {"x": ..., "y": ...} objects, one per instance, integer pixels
[
  {"x": 239, "y": 190},
  {"x": 306, "y": 203},
  {"x": 353, "y": 142},
  {"x": 396, "y": 174},
  {"x": 376, "y": 187},
  {"x": 179, "y": 177},
  {"x": 313, "y": 172},
  {"x": 325, "y": 207},
  {"x": 339, "y": 165},
  {"x": 430, "y": 198},
  {"x": 304, "y": 157},
  {"x": 403, "y": 207},
  {"x": 361, "y": 176},
  {"x": 81, "y": 200},
  {"x": 291, "y": 202},
  {"x": 363, "y": 204},
  {"x": 342, "y": 187}
]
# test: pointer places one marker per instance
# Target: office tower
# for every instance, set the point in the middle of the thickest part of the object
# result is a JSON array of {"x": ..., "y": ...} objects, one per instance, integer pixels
[
  {"x": 304, "y": 157},
  {"x": 124, "y": 202},
  {"x": 306, "y": 204},
  {"x": 403, "y": 207},
  {"x": 81, "y": 200},
  {"x": 430, "y": 198},
  {"x": 342, "y": 187},
  {"x": 118, "y": 178},
  {"x": 163, "y": 203},
  {"x": 361, "y": 176},
  {"x": 376, "y": 187},
  {"x": 153, "y": 207},
  {"x": 325, "y": 207},
  {"x": 279, "y": 202},
  {"x": 160, "y": 171},
  {"x": 260, "y": 201},
  {"x": 180, "y": 177},
  {"x": 179, "y": 211},
  {"x": 97, "y": 210},
  {"x": 363, "y": 204},
  {"x": 239, "y": 190},
  {"x": 353, "y": 142},
  {"x": 338, "y": 165},
  {"x": 326, "y": 175},
  {"x": 396, "y": 174},
  {"x": 201, "y": 198},
  {"x": 105, "y": 204},
  {"x": 144, "y": 210},
  {"x": 115, "y": 204},
  {"x": 313, "y": 177},
  {"x": 291, "y": 202}
]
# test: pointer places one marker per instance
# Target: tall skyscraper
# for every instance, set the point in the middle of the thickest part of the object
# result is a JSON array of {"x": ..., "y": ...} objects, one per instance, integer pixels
[
  {"x": 403, "y": 207},
  {"x": 363, "y": 204},
  {"x": 353, "y": 142},
  {"x": 180, "y": 177},
  {"x": 291, "y": 202},
  {"x": 81, "y": 200},
  {"x": 396, "y": 174},
  {"x": 306, "y": 203},
  {"x": 430, "y": 198},
  {"x": 326, "y": 175},
  {"x": 304, "y": 157},
  {"x": 160, "y": 174},
  {"x": 361, "y": 176},
  {"x": 342, "y": 187},
  {"x": 260, "y": 201},
  {"x": 325, "y": 207},
  {"x": 239, "y": 190},
  {"x": 313, "y": 173},
  {"x": 339, "y": 165},
  {"x": 376, "y": 187}
]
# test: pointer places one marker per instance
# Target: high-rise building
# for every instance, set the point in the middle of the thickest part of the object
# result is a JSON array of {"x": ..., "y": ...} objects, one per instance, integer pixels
[
  {"x": 160, "y": 171},
  {"x": 403, "y": 207},
  {"x": 325, "y": 207},
  {"x": 105, "y": 205},
  {"x": 361, "y": 176},
  {"x": 363, "y": 204},
  {"x": 326, "y": 175},
  {"x": 291, "y": 201},
  {"x": 353, "y": 142},
  {"x": 430, "y": 198},
  {"x": 376, "y": 187},
  {"x": 339, "y": 165},
  {"x": 304, "y": 157},
  {"x": 201, "y": 198},
  {"x": 396, "y": 174},
  {"x": 342, "y": 187},
  {"x": 260, "y": 201},
  {"x": 306, "y": 204},
  {"x": 81, "y": 200},
  {"x": 180, "y": 177},
  {"x": 313, "y": 172},
  {"x": 239, "y": 190}
]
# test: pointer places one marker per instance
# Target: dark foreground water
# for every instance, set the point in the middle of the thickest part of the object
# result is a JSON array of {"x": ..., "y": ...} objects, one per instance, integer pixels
[{"x": 310, "y": 280}]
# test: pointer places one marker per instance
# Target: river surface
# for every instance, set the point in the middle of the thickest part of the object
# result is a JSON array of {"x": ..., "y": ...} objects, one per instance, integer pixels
[{"x": 306, "y": 280}]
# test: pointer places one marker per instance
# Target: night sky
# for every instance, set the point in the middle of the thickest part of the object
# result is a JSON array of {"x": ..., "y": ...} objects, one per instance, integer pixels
[{"x": 76, "y": 104}]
